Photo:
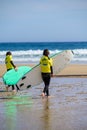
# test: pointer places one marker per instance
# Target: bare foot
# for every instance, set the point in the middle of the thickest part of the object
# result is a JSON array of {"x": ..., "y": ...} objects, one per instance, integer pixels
[
  {"x": 14, "y": 92},
  {"x": 43, "y": 95}
]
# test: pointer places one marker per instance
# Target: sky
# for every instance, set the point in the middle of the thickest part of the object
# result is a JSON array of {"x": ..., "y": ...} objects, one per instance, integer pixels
[{"x": 43, "y": 20}]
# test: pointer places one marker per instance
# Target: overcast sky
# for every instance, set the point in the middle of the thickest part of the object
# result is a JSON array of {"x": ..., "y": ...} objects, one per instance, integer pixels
[{"x": 43, "y": 20}]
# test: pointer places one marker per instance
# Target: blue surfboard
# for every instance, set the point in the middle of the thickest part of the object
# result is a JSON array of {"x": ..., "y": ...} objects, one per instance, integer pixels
[{"x": 12, "y": 76}]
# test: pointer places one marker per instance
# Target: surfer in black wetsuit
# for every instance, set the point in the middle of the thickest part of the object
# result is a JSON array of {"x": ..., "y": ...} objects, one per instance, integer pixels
[{"x": 46, "y": 71}]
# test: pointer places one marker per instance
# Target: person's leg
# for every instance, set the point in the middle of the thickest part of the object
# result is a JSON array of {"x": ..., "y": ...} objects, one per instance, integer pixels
[
  {"x": 7, "y": 87},
  {"x": 46, "y": 79},
  {"x": 47, "y": 82},
  {"x": 13, "y": 87},
  {"x": 17, "y": 87},
  {"x": 47, "y": 91},
  {"x": 44, "y": 90}
]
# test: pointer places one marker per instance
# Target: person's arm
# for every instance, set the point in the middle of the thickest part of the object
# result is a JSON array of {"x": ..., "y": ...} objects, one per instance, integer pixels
[
  {"x": 51, "y": 71},
  {"x": 13, "y": 64}
]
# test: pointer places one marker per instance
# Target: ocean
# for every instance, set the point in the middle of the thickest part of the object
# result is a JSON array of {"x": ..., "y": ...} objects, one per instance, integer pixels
[{"x": 30, "y": 52}]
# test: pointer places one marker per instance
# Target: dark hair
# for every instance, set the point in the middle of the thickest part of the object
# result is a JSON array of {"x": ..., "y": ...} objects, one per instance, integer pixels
[
  {"x": 8, "y": 53},
  {"x": 46, "y": 52}
]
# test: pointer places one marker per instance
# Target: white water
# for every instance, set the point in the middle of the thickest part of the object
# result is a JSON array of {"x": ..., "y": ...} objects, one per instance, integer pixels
[{"x": 33, "y": 56}]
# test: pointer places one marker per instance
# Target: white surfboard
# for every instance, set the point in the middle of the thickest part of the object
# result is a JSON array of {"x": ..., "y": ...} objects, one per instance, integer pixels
[{"x": 33, "y": 77}]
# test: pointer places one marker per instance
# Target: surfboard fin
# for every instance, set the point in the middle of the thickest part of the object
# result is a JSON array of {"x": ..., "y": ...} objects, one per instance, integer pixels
[
  {"x": 21, "y": 84},
  {"x": 23, "y": 77},
  {"x": 28, "y": 86}
]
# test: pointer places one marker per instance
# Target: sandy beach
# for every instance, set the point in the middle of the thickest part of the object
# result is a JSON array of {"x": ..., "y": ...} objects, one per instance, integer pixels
[
  {"x": 66, "y": 109},
  {"x": 71, "y": 70}
]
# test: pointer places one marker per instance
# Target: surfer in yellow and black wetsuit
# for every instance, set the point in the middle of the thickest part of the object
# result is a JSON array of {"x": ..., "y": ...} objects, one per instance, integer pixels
[
  {"x": 10, "y": 65},
  {"x": 46, "y": 71}
]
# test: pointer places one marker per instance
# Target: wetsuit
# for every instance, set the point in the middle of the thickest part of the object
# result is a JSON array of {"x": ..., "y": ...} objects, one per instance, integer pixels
[{"x": 46, "y": 71}]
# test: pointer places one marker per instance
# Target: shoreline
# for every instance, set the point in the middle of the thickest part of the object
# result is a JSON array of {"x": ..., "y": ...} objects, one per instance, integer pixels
[{"x": 72, "y": 70}]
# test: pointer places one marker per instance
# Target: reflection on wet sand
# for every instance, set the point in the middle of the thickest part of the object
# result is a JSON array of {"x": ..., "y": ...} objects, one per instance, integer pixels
[
  {"x": 65, "y": 110},
  {"x": 46, "y": 114}
]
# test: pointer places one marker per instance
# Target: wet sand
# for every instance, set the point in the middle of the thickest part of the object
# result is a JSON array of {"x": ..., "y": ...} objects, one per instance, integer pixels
[{"x": 66, "y": 109}]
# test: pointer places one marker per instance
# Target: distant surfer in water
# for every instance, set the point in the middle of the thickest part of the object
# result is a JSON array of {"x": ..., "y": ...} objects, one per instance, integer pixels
[
  {"x": 46, "y": 71},
  {"x": 10, "y": 65}
]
